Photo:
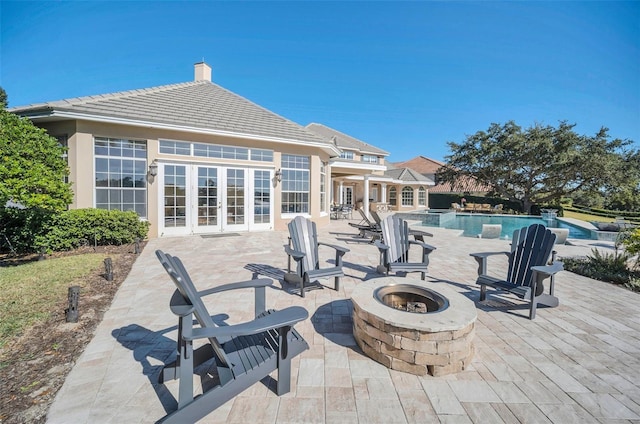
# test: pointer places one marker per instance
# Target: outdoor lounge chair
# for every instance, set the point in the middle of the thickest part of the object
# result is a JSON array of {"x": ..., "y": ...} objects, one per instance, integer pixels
[
  {"x": 394, "y": 249},
  {"x": 528, "y": 267},
  {"x": 417, "y": 234},
  {"x": 366, "y": 227},
  {"x": 242, "y": 353},
  {"x": 303, "y": 248},
  {"x": 490, "y": 231}
]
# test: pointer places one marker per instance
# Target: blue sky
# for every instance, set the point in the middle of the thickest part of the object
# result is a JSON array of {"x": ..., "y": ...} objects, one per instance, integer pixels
[{"x": 404, "y": 76}]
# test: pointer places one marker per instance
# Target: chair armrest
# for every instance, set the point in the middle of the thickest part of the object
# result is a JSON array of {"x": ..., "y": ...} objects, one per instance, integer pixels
[
  {"x": 277, "y": 319},
  {"x": 260, "y": 282},
  {"x": 487, "y": 254},
  {"x": 419, "y": 234},
  {"x": 481, "y": 258},
  {"x": 296, "y": 254},
  {"x": 549, "y": 269},
  {"x": 380, "y": 245},
  {"x": 335, "y": 246},
  {"x": 422, "y": 244}
]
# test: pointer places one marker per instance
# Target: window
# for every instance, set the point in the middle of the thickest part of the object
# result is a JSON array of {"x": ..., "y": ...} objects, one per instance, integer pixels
[
  {"x": 63, "y": 142},
  {"x": 346, "y": 155},
  {"x": 121, "y": 174},
  {"x": 262, "y": 155},
  {"x": 295, "y": 184},
  {"x": 175, "y": 147},
  {"x": 323, "y": 188},
  {"x": 369, "y": 159},
  {"x": 422, "y": 197},
  {"x": 184, "y": 148},
  {"x": 407, "y": 196},
  {"x": 393, "y": 196},
  {"x": 261, "y": 197}
]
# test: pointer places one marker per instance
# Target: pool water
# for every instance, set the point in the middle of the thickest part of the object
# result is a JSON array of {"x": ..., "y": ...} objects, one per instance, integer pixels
[{"x": 472, "y": 225}]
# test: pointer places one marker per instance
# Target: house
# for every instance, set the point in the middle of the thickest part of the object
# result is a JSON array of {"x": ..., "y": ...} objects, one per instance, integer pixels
[
  {"x": 429, "y": 168},
  {"x": 360, "y": 176},
  {"x": 195, "y": 158}
]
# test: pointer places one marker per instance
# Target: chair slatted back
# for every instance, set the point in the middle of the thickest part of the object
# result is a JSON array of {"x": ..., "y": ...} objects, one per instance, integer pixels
[
  {"x": 531, "y": 246},
  {"x": 365, "y": 218},
  {"x": 185, "y": 286},
  {"x": 304, "y": 238},
  {"x": 395, "y": 234},
  {"x": 376, "y": 217}
]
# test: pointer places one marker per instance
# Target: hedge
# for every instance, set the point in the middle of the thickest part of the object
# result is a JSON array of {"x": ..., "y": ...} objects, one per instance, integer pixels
[{"x": 30, "y": 230}]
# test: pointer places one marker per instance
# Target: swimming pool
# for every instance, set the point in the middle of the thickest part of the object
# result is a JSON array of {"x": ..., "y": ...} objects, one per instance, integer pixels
[{"x": 471, "y": 224}]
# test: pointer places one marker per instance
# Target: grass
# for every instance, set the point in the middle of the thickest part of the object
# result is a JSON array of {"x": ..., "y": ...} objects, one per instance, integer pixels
[
  {"x": 586, "y": 217},
  {"x": 28, "y": 292}
]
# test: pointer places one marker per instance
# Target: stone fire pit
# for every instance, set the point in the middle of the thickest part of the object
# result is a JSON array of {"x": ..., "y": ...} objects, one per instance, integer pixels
[{"x": 391, "y": 327}]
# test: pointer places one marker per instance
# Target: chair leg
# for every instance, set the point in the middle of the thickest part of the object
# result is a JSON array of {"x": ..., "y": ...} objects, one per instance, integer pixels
[
  {"x": 423, "y": 275},
  {"x": 483, "y": 293},
  {"x": 532, "y": 308},
  {"x": 337, "y": 283}
]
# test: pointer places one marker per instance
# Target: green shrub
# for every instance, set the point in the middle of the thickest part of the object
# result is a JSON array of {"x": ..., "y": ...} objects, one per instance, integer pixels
[
  {"x": 77, "y": 227},
  {"x": 610, "y": 267},
  {"x": 20, "y": 227},
  {"x": 631, "y": 242}
]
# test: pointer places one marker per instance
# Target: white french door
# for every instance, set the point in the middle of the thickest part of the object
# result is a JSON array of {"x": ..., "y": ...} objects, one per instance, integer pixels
[{"x": 208, "y": 199}]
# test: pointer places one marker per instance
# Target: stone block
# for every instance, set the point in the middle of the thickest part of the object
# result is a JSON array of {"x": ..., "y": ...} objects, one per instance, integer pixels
[
  {"x": 403, "y": 366},
  {"x": 402, "y": 332},
  {"x": 426, "y": 346},
  {"x": 431, "y": 359},
  {"x": 441, "y": 335},
  {"x": 402, "y": 354},
  {"x": 440, "y": 370},
  {"x": 377, "y": 356},
  {"x": 464, "y": 331},
  {"x": 378, "y": 334}
]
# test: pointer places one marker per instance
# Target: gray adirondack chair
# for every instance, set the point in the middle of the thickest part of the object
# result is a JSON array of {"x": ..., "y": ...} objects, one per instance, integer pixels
[
  {"x": 531, "y": 250},
  {"x": 243, "y": 353},
  {"x": 394, "y": 248},
  {"x": 303, "y": 248}
]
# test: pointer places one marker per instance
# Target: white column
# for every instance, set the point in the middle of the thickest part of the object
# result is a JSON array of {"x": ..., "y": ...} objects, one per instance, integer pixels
[
  {"x": 340, "y": 193},
  {"x": 365, "y": 201},
  {"x": 383, "y": 198}
]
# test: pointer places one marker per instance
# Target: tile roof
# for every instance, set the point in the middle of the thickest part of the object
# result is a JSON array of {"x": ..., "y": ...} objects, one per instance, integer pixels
[
  {"x": 428, "y": 166},
  {"x": 408, "y": 175},
  {"x": 198, "y": 105},
  {"x": 344, "y": 141},
  {"x": 422, "y": 164}
]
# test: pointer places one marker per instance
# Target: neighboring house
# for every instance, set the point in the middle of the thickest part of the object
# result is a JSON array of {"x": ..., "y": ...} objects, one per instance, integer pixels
[
  {"x": 429, "y": 168},
  {"x": 195, "y": 158},
  {"x": 361, "y": 177}
]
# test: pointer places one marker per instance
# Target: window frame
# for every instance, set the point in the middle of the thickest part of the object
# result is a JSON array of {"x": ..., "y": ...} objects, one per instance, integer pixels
[{"x": 406, "y": 196}]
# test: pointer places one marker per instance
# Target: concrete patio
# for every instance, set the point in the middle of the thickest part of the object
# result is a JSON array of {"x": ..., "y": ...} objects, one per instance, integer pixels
[{"x": 578, "y": 363}]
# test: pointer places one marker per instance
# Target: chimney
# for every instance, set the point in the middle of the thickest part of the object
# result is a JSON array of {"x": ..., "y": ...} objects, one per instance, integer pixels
[{"x": 202, "y": 72}]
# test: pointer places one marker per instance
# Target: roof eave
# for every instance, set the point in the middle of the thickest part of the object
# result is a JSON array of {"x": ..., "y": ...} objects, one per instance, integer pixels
[{"x": 43, "y": 113}]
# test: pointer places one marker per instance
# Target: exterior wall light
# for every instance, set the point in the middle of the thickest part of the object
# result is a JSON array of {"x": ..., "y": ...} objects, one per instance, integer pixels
[
  {"x": 278, "y": 175},
  {"x": 153, "y": 168}
]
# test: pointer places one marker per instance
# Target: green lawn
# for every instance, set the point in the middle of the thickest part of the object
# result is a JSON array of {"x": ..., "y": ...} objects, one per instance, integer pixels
[
  {"x": 586, "y": 217},
  {"x": 29, "y": 292}
]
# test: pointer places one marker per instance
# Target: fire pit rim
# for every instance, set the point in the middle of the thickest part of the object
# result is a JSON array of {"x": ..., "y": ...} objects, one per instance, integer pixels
[
  {"x": 439, "y": 298},
  {"x": 461, "y": 310}
]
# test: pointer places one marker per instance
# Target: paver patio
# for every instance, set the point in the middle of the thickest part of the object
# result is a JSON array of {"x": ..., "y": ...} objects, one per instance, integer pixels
[{"x": 578, "y": 362}]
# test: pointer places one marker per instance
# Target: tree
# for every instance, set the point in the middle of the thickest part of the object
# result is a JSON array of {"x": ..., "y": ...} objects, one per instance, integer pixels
[
  {"x": 32, "y": 168},
  {"x": 541, "y": 164},
  {"x": 3, "y": 99}
]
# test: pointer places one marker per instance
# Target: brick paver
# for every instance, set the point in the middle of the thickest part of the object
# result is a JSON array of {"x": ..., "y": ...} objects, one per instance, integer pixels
[{"x": 578, "y": 362}]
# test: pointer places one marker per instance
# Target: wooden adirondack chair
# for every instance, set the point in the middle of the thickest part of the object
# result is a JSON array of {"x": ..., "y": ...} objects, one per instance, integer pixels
[
  {"x": 394, "y": 248},
  {"x": 531, "y": 250},
  {"x": 303, "y": 248},
  {"x": 243, "y": 353}
]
